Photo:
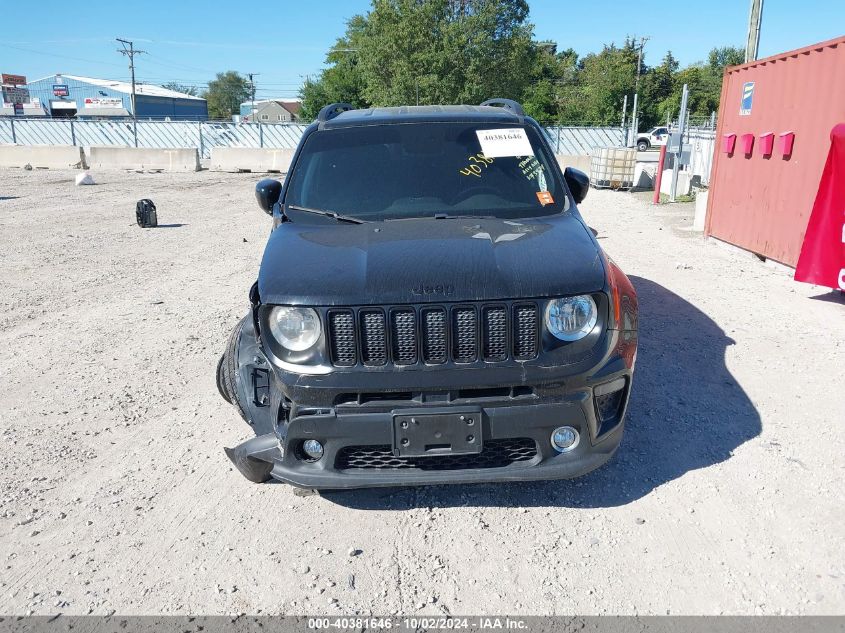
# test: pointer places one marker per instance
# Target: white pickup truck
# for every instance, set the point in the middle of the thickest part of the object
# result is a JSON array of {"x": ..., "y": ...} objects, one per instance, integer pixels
[{"x": 656, "y": 137}]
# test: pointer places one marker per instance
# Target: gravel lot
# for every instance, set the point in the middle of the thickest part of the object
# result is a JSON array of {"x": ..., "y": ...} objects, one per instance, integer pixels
[{"x": 726, "y": 496}]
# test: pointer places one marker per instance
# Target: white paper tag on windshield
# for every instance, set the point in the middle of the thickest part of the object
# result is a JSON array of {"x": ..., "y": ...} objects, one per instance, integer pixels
[{"x": 511, "y": 141}]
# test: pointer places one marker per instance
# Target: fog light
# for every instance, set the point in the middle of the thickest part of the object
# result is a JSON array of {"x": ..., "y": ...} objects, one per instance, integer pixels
[
  {"x": 312, "y": 449},
  {"x": 564, "y": 439}
]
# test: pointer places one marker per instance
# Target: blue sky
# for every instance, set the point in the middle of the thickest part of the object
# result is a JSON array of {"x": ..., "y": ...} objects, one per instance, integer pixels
[{"x": 188, "y": 41}]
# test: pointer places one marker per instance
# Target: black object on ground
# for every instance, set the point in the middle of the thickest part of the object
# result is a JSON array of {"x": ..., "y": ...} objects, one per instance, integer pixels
[{"x": 145, "y": 213}]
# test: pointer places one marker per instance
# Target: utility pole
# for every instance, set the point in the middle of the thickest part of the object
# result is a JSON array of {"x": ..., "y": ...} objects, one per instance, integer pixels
[
  {"x": 252, "y": 89},
  {"x": 624, "y": 116},
  {"x": 635, "y": 118},
  {"x": 755, "y": 17},
  {"x": 643, "y": 40},
  {"x": 130, "y": 53},
  {"x": 679, "y": 137}
]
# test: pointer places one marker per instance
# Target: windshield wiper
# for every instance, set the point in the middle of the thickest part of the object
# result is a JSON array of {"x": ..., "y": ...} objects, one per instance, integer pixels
[
  {"x": 328, "y": 214},
  {"x": 446, "y": 216}
]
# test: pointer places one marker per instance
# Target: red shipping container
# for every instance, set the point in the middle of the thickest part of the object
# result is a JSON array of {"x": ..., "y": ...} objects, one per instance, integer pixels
[{"x": 763, "y": 203}]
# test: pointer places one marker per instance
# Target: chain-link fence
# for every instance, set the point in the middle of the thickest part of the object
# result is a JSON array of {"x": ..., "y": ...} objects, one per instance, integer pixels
[{"x": 203, "y": 135}]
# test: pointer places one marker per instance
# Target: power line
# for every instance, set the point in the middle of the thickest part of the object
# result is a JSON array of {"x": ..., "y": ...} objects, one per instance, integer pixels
[{"x": 78, "y": 59}]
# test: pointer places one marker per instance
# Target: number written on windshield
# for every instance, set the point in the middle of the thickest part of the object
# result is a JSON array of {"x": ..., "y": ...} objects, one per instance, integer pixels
[{"x": 475, "y": 165}]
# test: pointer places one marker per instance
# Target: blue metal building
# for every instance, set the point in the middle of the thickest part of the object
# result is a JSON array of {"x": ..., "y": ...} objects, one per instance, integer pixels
[{"x": 71, "y": 96}]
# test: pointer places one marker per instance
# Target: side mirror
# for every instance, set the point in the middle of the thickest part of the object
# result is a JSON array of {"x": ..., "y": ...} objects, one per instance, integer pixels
[
  {"x": 267, "y": 192},
  {"x": 578, "y": 183}
]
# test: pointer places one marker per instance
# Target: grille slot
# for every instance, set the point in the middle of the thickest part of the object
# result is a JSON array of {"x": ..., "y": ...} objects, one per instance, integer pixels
[
  {"x": 525, "y": 331},
  {"x": 373, "y": 337},
  {"x": 343, "y": 346},
  {"x": 434, "y": 341},
  {"x": 495, "y": 333},
  {"x": 496, "y": 454},
  {"x": 404, "y": 331},
  {"x": 465, "y": 337}
]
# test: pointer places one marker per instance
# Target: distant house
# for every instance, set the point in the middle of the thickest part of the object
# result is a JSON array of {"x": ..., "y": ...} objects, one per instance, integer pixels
[
  {"x": 271, "y": 111},
  {"x": 71, "y": 96}
]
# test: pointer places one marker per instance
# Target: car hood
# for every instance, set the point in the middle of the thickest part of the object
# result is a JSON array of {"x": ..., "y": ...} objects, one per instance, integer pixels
[{"x": 429, "y": 260}]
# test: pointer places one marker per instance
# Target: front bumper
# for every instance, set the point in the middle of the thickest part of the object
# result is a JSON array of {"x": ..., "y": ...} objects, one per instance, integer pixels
[
  {"x": 359, "y": 436},
  {"x": 534, "y": 422},
  {"x": 360, "y": 447}
]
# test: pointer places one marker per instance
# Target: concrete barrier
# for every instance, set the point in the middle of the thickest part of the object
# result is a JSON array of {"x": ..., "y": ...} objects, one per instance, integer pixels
[
  {"x": 250, "y": 159},
  {"x": 42, "y": 156},
  {"x": 177, "y": 159},
  {"x": 684, "y": 183},
  {"x": 576, "y": 161},
  {"x": 700, "y": 216},
  {"x": 644, "y": 176}
]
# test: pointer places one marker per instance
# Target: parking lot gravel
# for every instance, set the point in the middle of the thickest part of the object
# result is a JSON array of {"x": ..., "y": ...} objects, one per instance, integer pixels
[{"x": 115, "y": 495}]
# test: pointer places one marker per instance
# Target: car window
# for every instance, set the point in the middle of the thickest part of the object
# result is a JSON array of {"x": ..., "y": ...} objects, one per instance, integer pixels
[{"x": 397, "y": 171}]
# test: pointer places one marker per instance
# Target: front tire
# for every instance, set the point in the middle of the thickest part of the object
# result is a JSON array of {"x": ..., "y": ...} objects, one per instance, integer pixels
[
  {"x": 227, "y": 369},
  {"x": 643, "y": 146}
]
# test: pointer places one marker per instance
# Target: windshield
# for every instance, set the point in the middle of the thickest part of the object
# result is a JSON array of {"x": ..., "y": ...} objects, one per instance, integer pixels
[{"x": 398, "y": 171}]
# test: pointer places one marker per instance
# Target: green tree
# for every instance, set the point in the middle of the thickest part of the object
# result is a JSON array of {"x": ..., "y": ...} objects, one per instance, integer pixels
[
  {"x": 176, "y": 86},
  {"x": 605, "y": 78},
  {"x": 719, "y": 58},
  {"x": 465, "y": 51},
  {"x": 342, "y": 81},
  {"x": 704, "y": 81},
  {"x": 432, "y": 51},
  {"x": 554, "y": 77},
  {"x": 657, "y": 92},
  {"x": 226, "y": 93}
]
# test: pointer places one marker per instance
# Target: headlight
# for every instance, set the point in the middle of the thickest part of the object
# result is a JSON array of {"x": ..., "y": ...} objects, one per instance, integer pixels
[
  {"x": 295, "y": 329},
  {"x": 571, "y": 318}
]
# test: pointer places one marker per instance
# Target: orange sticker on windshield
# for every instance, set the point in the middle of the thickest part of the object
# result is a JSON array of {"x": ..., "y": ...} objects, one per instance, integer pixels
[{"x": 545, "y": 198}]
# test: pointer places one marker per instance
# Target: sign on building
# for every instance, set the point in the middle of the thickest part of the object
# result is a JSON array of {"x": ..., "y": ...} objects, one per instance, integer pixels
[
  {"x": 747, "y": 98},
  {"x": 15, "y": 95},
  {"x": 13, "y": 80},
  {"x": 61, "y": 90},
  {"x": 94, "y": 102}
]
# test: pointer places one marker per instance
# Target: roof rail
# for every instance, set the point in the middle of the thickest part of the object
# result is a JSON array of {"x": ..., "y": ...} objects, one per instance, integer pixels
[
  {"x": 507, "y": 104},
  {"x": 331, "y": 111}
]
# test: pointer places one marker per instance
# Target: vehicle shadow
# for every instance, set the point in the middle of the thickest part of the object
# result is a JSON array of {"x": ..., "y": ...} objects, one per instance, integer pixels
[
  {"x": 169, "y": 226},
  {"x": 686, "y": 412}
]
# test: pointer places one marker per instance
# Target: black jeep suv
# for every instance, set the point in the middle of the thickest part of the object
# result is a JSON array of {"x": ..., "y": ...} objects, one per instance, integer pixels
[{"x": 431, "y": 308}]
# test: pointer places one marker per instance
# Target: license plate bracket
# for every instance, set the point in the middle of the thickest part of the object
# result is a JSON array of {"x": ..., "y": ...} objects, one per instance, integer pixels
[{"x": 441, "y": 433}]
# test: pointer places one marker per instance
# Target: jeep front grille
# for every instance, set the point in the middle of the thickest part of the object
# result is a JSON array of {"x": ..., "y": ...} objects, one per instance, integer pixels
[{"x": 407, "y": 335}]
